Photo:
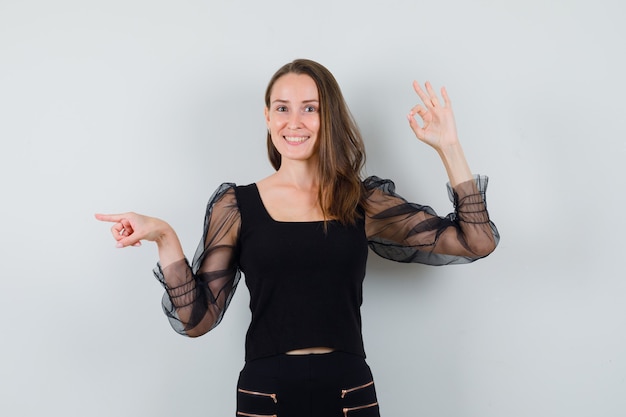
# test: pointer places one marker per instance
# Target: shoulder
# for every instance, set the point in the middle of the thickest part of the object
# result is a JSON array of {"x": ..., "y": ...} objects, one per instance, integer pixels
[
  {"x": 229, "y": 190},
  {"x": 229, "y": 194},
  {"x": 224, "y": 198},
  {"x": 380, "y": 195},
  {"x": 373, "y": 183},
  {"x": 222, "y": 190},
  {"x": 244, "y": 192}
]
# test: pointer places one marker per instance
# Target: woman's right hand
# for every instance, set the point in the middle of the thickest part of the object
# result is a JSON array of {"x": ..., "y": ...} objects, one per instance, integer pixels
[{"x": 129, "y": 229}]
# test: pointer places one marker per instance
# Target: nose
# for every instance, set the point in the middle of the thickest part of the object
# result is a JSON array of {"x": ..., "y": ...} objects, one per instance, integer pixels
[{"x": 295, "y": 121}]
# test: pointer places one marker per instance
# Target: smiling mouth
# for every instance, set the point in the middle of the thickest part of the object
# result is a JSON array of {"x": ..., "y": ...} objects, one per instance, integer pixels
[{"x": 295, "y": 139}]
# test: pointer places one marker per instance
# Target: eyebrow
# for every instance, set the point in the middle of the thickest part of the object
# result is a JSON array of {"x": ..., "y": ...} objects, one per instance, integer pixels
[{"x": 287, "y": 101}]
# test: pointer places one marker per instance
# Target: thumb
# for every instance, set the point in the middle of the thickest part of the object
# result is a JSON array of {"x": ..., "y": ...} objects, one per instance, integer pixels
[{"x": 417, "y": 129}]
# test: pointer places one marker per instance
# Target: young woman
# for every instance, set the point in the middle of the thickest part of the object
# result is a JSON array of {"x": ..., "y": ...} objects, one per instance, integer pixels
[{"x": 301, "y": 238}]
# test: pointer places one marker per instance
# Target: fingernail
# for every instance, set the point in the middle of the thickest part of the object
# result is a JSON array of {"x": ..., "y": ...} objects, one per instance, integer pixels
[{"x": 119, "y": 245}]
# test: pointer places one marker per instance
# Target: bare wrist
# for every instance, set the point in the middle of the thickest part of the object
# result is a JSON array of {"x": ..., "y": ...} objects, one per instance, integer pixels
[{"x": 453, "y": 159}]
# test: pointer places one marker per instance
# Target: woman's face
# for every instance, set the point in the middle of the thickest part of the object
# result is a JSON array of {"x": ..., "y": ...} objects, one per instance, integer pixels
[{"x": 293, "y": 116}]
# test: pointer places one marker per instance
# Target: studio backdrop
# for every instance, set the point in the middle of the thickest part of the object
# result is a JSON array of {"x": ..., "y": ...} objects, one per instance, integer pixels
[{"x": 147, "y": 106}]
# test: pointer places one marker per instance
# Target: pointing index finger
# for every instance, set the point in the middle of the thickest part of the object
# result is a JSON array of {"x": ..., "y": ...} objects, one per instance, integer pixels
[{"x": 109, "y": 217}]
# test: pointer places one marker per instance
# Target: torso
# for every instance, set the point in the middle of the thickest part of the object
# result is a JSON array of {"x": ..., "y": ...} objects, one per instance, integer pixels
[
  {"x": 285, "y": 203},
  {"x": 288, "y": 204}
]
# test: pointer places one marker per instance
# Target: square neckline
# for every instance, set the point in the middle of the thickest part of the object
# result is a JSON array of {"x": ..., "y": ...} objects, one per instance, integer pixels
[{"x": 269, "y": 216}]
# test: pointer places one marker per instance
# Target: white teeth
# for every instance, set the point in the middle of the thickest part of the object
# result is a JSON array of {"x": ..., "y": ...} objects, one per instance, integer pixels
[{"x": 296, "y": 139}]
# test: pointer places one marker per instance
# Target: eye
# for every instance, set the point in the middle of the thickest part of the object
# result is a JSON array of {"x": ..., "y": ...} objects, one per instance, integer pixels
[
  {"x": 281, "y": 109},
  {"x": 310, "y": 109}
]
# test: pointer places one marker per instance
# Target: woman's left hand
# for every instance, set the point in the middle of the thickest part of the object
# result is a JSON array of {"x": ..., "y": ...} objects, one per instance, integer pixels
[{"x": 439, "y": 128}]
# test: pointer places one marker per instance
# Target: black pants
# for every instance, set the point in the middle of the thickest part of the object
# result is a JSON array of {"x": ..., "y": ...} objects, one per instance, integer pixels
[{"x": 334, "y": 384}]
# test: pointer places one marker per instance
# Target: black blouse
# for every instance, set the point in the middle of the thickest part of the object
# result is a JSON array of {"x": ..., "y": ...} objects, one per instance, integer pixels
[{"x": 306, "y": 282}]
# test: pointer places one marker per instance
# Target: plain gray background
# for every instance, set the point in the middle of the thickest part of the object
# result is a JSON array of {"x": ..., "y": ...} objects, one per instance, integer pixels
[{"x": 108, "y": 106}]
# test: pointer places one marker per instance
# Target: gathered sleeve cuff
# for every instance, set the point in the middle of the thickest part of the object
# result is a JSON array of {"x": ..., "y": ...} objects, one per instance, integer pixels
[
  {"x": 198, "y": 294},
  {"x": 410, "y": 232}
]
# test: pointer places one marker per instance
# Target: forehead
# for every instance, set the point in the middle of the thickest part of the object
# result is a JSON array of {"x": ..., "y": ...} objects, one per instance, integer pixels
[{"x": 294, "y": 87}]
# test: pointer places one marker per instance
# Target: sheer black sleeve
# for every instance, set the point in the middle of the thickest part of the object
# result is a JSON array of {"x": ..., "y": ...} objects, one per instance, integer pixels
[
  {"x": 408, "y": 232},
  {"x": 197, "y": 295}
]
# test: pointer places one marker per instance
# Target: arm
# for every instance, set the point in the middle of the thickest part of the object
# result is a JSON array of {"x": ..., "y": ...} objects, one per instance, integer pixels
[
  {"x": 196, "y": 295},
  {"x": 409, "y": 232},
  {"x": 204, "y": 289}
]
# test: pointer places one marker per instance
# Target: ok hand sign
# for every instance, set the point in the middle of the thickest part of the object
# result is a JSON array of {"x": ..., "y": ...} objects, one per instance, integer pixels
[{"x": 439, "y": 128}]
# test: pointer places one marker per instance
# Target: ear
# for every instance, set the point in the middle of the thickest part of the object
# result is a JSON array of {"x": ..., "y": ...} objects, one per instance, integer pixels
[{"x": 267, "y": 117}]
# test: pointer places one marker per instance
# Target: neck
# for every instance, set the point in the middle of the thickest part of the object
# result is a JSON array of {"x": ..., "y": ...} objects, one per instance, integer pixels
[{"x": 300, "y": 174}]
